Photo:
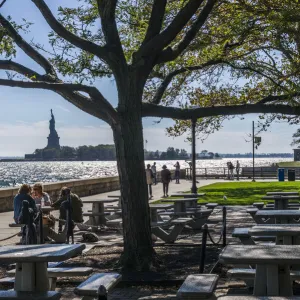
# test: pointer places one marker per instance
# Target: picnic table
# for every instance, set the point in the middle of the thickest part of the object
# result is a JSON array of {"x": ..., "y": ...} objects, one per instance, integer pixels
[
  {"x": 180, "y": 205},
  {"x": 46, "y": 209},
  {"x": 32, "y": 262},
  {"x": 284, "y": 216},
  {"x": 281, "y": 202},
  {"x": 283, "y": 193},
  {"x": 272, "y": 276},
  {"x": 97, "y": 216},
  {"x": 286, "y": 234},
  {"x": 155, "y": 207},
  {"x": 184, "y": 195}
]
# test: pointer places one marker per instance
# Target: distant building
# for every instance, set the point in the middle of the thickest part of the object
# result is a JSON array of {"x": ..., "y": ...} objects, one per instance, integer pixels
[
  {"x": 297, "y": 154},
  {"x": 51, "y": 151}
]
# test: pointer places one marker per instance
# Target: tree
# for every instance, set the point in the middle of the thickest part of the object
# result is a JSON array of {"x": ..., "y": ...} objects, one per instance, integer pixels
[
  {"x": 296, "y": 138},
  {"x": 154, "y": 50}
]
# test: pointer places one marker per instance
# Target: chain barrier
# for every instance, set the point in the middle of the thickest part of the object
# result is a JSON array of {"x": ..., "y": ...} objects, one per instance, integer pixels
[
  {"x": 10, "y": 237},
  {"x": 220, "y": 238}
]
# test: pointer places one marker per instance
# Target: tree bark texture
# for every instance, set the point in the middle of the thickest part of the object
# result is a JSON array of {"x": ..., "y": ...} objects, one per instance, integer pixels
[{"x": 128, "y": 136}]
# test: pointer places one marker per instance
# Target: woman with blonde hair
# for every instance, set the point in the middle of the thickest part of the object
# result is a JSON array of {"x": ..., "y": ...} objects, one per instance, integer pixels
[
  {"x": 23, "y": 194},
  {"x": 41, "y": 198}
]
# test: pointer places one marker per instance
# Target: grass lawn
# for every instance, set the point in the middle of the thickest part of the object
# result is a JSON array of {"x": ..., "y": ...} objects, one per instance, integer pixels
[
  {"x": 289, "y": 164},
  {"x": 243, "y": 193}
]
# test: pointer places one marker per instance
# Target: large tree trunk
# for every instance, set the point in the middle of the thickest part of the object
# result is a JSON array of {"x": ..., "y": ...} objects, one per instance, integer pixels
[{"x": 128, "y": 136}]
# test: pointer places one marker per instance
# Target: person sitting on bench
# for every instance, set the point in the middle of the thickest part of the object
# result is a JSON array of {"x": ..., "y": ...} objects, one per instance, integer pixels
[
  {"x": 23, "y": 194},
  {"x": 76, "y": 205}
]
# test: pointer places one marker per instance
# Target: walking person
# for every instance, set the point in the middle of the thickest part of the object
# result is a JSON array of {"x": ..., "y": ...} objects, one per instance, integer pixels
[
  {"x": 153, "y": 168},
  {"x": 231, "y": 168},
  {"x": 177, "y": 172},
  {"x": 165, "y": 179},
  {"x": 149, "y": 178},
  {"x": 238, "y": 168}
]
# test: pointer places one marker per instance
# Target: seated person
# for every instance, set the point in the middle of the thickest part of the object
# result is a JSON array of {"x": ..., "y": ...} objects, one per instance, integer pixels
[
  {"x": 23, "y": 194},
  {"x": 41, "y": 198},
  {"x": 76, "y": 205}
]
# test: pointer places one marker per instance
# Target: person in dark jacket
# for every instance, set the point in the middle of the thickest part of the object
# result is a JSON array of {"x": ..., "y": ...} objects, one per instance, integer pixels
[
  {"x": 23, "y": 194},
  {"x": 165, "y": 179},
  {"x": 76, "y": 204}
]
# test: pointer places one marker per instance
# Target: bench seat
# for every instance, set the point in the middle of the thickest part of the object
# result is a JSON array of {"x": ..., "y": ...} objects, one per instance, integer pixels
[
  {"x": 243, "y": 273},
  {"x": 91, "y": 214},
  {"x": 211, "y": 205},
  {"x": 247, "y": 239},
  {"x": 15, "y": 225},
  {"x": 198, "y": 286},
  {"x": 258, "y": 205},
  {"x": 13, "y": 295},
  {"x": 234, "y": 297},
  {"x": 64, "y": 272},
  {"x": 91, "y": 286}
]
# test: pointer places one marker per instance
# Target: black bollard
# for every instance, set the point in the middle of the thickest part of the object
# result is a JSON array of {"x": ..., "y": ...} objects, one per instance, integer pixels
[
  {"x": 102, "y": 293},
  {"x": 224, "y": 226},
  {"x": 41, "y": 227},
  {"x": 203, "y": 248}
]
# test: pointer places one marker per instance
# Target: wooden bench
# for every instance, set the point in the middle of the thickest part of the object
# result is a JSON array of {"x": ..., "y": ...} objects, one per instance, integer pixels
[
  {"x": 198, "y": 286},
  {"x": 54, "y": 273},
  {"x": 13, "y": 295},
  {"x": 98, "y": 285}
]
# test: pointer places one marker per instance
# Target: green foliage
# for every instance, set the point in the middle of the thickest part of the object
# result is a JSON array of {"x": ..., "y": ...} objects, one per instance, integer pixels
[{"x": 243, "y": 193}]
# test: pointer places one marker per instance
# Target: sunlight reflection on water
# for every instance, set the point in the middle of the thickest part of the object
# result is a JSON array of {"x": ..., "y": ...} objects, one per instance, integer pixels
[{"x": 31, "y": 172}]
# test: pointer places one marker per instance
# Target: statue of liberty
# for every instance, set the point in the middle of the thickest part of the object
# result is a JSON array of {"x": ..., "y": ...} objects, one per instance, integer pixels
[
  {"x": 53, "y": 138},
  {"x": 52, "y": 123}
]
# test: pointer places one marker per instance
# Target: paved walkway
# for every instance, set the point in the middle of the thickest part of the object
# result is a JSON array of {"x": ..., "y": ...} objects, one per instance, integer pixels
[{"x": 7, "y": 217}]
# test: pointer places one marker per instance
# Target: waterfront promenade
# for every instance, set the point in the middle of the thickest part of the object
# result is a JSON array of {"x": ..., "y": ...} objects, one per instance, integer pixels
[{"x": 7, "y": 217}]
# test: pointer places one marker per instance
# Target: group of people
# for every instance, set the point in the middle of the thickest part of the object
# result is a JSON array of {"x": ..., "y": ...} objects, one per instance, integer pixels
[
  {"x": 37, "y": 197},
  {"x": 231, "y": 168},
  {"x": 151, "y": 178}
]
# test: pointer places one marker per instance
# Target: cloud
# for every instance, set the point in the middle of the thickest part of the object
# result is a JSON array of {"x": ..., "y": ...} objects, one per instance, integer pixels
[{"x": 63, "y": 108}]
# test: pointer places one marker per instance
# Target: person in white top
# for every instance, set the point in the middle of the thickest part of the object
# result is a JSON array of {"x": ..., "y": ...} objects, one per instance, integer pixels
[
  {"x": 153, "y": 168},
  {"x": 41, "y": 198},
  {"x": 149, "y": 179}
]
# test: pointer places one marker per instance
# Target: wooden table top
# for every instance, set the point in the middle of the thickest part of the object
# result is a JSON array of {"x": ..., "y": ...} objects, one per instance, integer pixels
[
  {"x": 261, "y": 254},
  {"x": 278, "y": 213},
  {"x": 180, "y": 200},
  {"x": 39, "y": 253},
  {"x": 100, "y": 201}
]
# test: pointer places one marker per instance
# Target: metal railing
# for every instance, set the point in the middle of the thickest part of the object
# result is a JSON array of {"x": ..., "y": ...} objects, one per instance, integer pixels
[{"x": 245, "y": 172}]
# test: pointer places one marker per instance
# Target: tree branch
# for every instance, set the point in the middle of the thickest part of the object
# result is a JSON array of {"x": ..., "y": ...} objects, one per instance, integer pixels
[
  {"x": 59, "y": 29},
  {"x": 13, "y": 66},
  {"x": 164, "y": 85},
  {"x": 156, "y": 20},
  {"x": 107, "y": 12},
  {"x": 70, "y": 92},
  {"x": 2, "y": 3},
  {"x": 28, "y": 49},
  {"x": 272, "y": 98},
  {"x": 151, "y": 110},
  {"x": 162, "y": 40},
  {"x": 171, "y": 54}
]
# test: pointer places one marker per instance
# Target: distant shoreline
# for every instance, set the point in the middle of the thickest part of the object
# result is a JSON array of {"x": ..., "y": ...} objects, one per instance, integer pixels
[{"x": 155, "y": 159}]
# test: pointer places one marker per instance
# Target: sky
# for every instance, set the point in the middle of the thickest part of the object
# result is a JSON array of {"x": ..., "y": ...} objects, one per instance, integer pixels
[{"x": 25, "y": 114}]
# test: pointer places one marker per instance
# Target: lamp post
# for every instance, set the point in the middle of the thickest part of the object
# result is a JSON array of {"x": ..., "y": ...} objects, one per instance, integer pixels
[
  {"x": 194, "y": 187},
  {"x": 253, "y": 147}
]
